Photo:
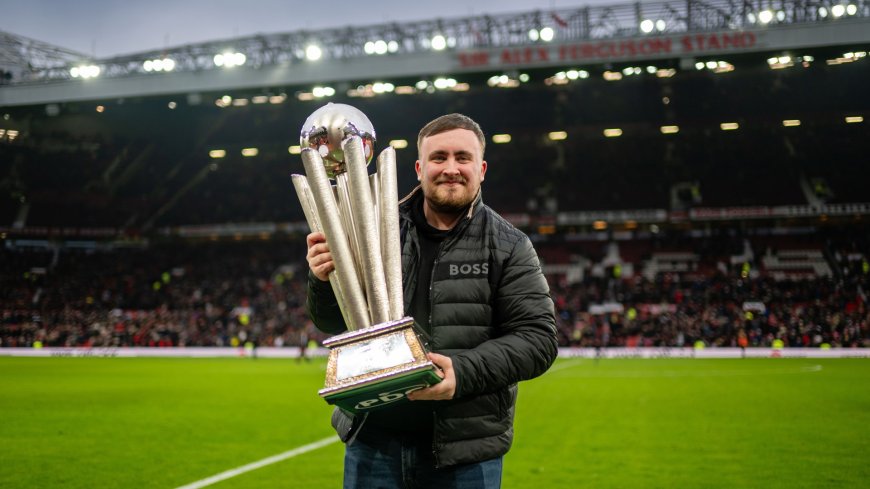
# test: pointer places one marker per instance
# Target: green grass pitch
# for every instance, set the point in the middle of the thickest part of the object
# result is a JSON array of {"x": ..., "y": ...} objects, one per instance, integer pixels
[{"x": 116, "y": 422}]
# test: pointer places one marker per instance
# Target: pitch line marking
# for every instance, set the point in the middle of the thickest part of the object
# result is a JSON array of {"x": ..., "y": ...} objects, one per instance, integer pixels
[{"x": 260, "y": 463}]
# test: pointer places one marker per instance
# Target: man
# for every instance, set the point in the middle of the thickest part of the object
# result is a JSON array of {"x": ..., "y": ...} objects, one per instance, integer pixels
[{"x": 474, "y": 286}]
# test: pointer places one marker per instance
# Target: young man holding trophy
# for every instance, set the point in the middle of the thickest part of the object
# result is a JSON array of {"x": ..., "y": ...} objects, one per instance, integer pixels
[{"x": 480, "y": 306}]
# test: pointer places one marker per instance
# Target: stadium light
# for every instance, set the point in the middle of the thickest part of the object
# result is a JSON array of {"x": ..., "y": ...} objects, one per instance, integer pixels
[
  {"x": 558, "y": 135},
  {"x": 534, "y": 35},
  {"x": 838, "y": 10},
  {"x": 661, "y": 25},
  {"x": 438, "y": 42},
  {"x": 647, "y": 26},
  {"x": 165, "y": 64},
  {"x": 765, "y": 16},
  {"x": 378, "y": 47},
  {"x": 823, "y": 12},
  {"x": 313, "y": 52},
  {"x": 320, "y": 92},
  {"x": 851, "y": 9},
  {"x": 854, "y": 119},
  {"x": 791, "y": 123},
  {"x": 249, "y": 152},
  {"x": 229, "y": 59},
  {"x": 502, "y": 81},
  {"x": 670, "y": 129},
  {"x": 85, "y": 71},
  {"x": 729, "y": 126},
  {"x": 294, "y": 150},
  {"x": 613, "y": 133},
  {"x": 217, "y": 153},
  {"x": 392, "y": 46},
  {"x": 501, "y": 138},
  {"x": 380, "y": 87},
  {"x": 399, "y": 143},
  {"x": 444, "y": 83},
  {"x": 547, "y": 34}
]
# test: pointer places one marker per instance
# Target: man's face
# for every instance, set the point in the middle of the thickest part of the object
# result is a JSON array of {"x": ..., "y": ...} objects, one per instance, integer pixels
[{"x": 450, "y": 169}]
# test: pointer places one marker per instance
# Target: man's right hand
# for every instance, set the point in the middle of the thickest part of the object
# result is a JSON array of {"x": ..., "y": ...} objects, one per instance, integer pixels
[{"x": 319, "y": 258}]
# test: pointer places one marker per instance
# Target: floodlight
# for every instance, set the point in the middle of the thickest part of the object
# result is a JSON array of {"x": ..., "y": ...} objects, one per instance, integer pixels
[
  {"x": 547, "y": 34},
  {"x": 313, "y": 52},
  {"x": 439, "y": 43}
]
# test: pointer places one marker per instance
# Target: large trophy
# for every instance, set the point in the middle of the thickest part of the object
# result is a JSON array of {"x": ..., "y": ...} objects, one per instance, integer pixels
[{"x": 380, "y": 359}]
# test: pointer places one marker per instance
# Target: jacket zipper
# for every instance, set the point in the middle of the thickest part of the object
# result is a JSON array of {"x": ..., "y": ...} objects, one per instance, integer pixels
[
  {"x": 431, "y": 335},
  {"x": 432, "y": 283}
]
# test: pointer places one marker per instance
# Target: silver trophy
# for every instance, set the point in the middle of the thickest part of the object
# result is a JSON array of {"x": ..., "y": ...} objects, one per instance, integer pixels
[{"x": 380, "y": 359}]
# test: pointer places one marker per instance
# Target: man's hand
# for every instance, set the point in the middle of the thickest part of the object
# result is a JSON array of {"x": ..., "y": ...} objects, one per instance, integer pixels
[
  {"x": 319, "y": 258},
  {"x": 443, "y": 390}
]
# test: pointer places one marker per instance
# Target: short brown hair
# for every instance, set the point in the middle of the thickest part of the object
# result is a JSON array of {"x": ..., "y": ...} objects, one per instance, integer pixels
[{"x": 448, "y": 123}]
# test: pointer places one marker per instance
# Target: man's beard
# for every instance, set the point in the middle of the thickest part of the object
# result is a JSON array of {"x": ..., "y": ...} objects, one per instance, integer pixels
[{"x": 448, "y": 200}]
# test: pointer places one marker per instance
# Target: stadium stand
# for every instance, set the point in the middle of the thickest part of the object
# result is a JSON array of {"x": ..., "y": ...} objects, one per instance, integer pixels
[{"x": 120, "y": 227}]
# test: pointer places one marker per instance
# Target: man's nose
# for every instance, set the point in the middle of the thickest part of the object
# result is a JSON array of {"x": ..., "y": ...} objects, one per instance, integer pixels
[{"x": 451, "y": 167}]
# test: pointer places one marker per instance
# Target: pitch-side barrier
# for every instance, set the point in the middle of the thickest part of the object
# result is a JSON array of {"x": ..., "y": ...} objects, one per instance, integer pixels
[{"x": 293, "y": 352}]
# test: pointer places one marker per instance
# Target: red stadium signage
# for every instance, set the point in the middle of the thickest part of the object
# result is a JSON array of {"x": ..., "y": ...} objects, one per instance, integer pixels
[{"x": 611, "y": 49}]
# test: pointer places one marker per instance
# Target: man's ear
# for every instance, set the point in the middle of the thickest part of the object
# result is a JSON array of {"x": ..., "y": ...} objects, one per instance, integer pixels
[
  {"x": 418, "y": 167},
  {"x": 482, "y": 169}
]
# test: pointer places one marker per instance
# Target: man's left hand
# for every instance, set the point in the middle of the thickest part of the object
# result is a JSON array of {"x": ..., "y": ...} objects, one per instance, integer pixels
[{"x": 443, "y": 390}]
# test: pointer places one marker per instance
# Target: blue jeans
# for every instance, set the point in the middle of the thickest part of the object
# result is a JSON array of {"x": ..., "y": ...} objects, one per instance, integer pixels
[{"x": 390, "y": 463}]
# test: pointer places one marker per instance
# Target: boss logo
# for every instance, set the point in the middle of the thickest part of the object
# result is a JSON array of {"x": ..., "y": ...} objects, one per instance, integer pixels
[
  {"x": 388, "y": 397},
  {"x": 468, "y": 269}
]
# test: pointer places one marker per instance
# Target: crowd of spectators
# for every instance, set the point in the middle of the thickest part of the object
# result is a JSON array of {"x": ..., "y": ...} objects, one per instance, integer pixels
[
  {"x": 228, "y": 294},
  {"x": 88, "y": 168}
]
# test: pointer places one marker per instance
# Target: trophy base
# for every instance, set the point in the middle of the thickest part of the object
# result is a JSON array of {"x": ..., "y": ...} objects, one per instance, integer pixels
[{"x": 372, "y": 368}]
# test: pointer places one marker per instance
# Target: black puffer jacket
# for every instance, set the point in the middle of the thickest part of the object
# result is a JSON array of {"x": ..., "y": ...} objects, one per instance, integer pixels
[{"x": 491, "y": 312}]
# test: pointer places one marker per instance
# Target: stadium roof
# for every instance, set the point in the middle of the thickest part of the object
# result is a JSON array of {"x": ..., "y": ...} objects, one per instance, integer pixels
[{"x": 626, "y": 32}]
